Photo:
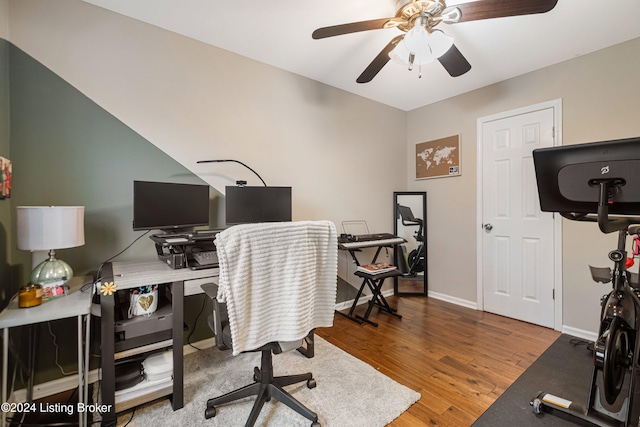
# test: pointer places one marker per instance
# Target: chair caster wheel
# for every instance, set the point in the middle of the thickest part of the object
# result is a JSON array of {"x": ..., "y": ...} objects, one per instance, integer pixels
[
  {"x": 311, "y": 384},
  {"x": 316, "y": 424},
  {"x": 210, "y": 412}
]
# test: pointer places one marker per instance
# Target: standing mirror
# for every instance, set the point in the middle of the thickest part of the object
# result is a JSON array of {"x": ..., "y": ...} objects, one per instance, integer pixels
[{"x": 410, "y": 223}]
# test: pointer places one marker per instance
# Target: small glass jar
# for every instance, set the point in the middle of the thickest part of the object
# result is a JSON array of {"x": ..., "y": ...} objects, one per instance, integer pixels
[{"x": 29, "y": 295}]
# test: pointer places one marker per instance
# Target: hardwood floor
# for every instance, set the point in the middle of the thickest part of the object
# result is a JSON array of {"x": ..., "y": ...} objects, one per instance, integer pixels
[{"x": 460, "y": 360}]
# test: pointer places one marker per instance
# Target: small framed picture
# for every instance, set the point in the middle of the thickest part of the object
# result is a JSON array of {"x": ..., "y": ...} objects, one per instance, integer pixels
[{"x": 5, "y": 178}]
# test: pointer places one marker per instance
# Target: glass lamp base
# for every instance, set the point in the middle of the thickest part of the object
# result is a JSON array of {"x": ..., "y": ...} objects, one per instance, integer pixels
[{"x": 51, "y": 270}]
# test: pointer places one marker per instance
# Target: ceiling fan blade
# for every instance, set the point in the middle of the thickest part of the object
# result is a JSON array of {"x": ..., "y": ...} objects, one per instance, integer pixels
[
  {"x": 353, "y": 27},
  {"x": 379, "y": 61},
  {"x": 487, "y": 9},
  {"x": 454, "y": 62}
]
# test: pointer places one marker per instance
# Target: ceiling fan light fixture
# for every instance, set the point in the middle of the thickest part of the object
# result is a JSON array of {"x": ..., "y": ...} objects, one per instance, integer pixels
[
  {"x": 440, "y": 43},
  {"x": 417, "y": 41},
  {"x": 420, "y": 47},
  {"x": 404, "y": 56}
]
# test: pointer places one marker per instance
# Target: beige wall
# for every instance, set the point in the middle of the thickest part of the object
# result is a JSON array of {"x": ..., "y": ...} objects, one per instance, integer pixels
[
  {"x": 342, "y": 154},
  {"x": 4, "y": 19},
  {"x": 600, "y": 94}
]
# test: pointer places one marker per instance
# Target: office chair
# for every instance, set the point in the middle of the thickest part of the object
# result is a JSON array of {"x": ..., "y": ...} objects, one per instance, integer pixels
[{"x": 277, "y": 284}]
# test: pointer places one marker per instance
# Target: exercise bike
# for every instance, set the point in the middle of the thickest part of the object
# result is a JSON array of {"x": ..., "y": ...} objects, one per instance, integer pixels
[
  {"x": 572, "y": 177},
  {"x": 416, "y": 258}
]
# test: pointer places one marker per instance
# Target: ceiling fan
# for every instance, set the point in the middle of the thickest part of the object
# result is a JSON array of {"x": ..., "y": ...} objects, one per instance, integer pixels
[{"x": 422, "y": 42}]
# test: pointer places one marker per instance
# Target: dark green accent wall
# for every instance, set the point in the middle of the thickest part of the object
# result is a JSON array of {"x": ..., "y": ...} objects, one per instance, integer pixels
[
  {"x": 67, "y": 150},
  {"x": 5, "y": 205}
]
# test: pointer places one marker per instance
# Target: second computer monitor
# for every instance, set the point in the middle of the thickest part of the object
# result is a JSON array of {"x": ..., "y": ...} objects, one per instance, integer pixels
[{"x": 257, "y": 204}]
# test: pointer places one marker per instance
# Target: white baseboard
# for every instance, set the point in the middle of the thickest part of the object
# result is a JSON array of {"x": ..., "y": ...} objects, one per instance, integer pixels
[
  {"x": 49, "y": 388},
  {"x": 435, "y": 295},
  {"x": 454, "y": 300},
  {"x": 363, "y": 299},
  {"x": 70, "y": 382},
  {"x": 580, "y": 333}
]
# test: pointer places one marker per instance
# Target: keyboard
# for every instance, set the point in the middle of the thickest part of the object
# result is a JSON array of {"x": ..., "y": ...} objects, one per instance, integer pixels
[
  {"x": 206, "y": 257},
  {"x": 370, "y": 237}
]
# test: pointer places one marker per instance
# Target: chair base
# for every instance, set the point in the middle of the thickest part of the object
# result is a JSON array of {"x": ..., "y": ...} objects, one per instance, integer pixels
[{"x": 265, "y": 387}]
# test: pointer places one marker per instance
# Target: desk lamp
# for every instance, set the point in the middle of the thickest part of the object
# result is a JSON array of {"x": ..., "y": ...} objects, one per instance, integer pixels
[
  {"x": 47, "y": 228},
  {"x": 240, "y": 183}
]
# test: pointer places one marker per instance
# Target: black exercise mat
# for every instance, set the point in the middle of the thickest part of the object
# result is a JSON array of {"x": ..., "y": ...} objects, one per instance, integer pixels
[{"x": 564, "y": 370}]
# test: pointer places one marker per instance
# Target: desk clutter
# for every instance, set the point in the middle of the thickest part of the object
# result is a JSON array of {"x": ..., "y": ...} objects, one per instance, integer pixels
[
  {"x": 141, "y": 311},
  {"x": 194, "y": 250},
  {"x": 135, "y": 377},
  {"x": 376, "y": 268}
]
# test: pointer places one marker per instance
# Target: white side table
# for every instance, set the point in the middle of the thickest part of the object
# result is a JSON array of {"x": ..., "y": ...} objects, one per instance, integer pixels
[{"x": 76, "y": 304}]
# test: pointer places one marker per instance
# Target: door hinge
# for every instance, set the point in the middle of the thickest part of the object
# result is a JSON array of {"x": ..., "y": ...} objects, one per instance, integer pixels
[
  {"x": 553, "y": 294},
  {"x": 553, "y": 131}
]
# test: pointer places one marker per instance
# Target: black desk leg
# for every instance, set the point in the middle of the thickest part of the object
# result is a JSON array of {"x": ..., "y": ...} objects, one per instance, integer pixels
[{"x": 177, "y": 303}]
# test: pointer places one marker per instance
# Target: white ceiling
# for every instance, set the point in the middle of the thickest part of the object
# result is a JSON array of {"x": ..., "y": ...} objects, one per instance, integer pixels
[{"x": 278, "y": 32}]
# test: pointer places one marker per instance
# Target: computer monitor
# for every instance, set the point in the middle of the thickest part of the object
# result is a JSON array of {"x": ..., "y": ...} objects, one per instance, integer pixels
[
  {"x": 257, "y": 204},
  {"x": 168, "y": 206},
  {"x": 569, "y": 177}
]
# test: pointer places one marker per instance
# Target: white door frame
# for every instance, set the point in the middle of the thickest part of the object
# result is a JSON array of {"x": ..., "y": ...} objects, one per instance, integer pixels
[{"x": 557, "y": 223}]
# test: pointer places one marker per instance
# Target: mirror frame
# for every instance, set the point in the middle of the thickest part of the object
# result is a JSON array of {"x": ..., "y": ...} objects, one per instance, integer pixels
[{"x": 398, "y": 257}]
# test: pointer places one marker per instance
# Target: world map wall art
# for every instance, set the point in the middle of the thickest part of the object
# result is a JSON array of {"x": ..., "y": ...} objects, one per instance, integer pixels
[{"x": 438, "y": 158}]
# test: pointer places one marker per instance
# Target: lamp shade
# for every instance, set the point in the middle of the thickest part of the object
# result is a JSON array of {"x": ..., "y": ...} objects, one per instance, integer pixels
[
  {"x": 42, "y": 228},
  {"x": 419, "y": 47}
]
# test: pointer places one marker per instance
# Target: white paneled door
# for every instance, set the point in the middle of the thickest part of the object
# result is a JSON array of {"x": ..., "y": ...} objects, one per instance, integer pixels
[{"x": 517, "y": 238}]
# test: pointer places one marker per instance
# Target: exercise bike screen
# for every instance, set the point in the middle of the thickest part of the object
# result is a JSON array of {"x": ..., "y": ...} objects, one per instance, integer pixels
[{"x": 569, "y": 176}]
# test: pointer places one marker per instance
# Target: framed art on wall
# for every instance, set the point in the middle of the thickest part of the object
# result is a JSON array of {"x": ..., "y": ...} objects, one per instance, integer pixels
[
  {"x": 438, "y": 158},
  {"x": 5, "y": 178}
]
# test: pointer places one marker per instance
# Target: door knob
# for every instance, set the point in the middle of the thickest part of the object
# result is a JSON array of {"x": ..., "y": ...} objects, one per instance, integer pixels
[{"x": 488, "y": 227}]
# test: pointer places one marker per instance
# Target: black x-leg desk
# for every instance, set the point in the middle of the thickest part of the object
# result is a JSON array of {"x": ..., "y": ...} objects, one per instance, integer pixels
[{"x": 373, "y": 281}]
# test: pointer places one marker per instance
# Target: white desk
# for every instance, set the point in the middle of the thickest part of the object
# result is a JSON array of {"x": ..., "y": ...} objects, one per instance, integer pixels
[
  {"x": 132, "y": 274},
  {"x": 76, "y": 304}
]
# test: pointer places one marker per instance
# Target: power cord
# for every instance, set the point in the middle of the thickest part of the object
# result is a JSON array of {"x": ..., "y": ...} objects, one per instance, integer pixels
[
  {"x": 99, "y": 272},
  {"x": 195, "y": 322},
  {"x": 133, "y": 414},
  {"x": 55, "y": 344}
]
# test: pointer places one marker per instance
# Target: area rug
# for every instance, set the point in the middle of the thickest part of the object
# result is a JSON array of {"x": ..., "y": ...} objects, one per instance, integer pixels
[{"x": 349, "y": 392}]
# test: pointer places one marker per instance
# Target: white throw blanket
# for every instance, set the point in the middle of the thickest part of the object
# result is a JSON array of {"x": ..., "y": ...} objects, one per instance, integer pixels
[{"x": 278, "y": 280}]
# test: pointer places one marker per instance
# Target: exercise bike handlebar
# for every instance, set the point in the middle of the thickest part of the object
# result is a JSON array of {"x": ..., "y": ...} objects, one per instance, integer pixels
[
  {"x": 415, "y": 221},
  {"x": 607, "y": 223}
]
